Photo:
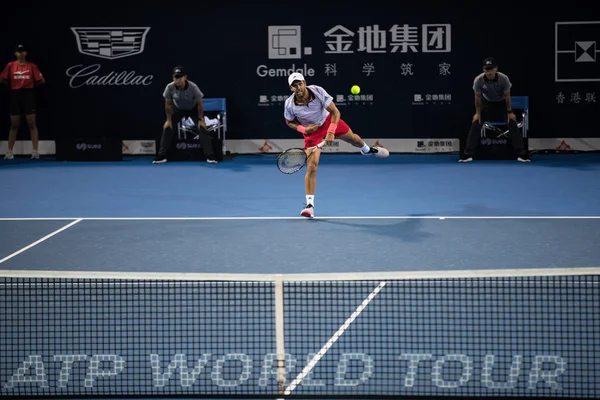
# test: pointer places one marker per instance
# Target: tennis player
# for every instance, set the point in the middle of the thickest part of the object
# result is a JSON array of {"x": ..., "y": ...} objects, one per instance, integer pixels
[{"x": 311, "y": 111}]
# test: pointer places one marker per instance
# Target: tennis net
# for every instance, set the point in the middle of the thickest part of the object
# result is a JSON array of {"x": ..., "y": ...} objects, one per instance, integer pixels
[{"x": 512, "y": 334}]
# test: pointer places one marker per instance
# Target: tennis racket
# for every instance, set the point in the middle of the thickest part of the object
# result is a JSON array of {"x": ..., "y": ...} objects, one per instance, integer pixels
[{"x": 294, "y": 159}]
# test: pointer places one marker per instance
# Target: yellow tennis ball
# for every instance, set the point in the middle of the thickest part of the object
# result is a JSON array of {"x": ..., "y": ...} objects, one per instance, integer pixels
[{"x": 355, "y": 89}]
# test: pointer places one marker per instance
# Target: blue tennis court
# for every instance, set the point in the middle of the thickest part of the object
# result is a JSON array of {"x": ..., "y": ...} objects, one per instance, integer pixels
[{"x": 418, "y": 276}]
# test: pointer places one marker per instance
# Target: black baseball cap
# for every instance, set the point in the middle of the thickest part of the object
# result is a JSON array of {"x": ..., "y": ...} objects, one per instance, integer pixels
[
  {"x": 19, "y": 48},
  {"x": 178, "y": 72},
  {"x": 490, "y": 63}
]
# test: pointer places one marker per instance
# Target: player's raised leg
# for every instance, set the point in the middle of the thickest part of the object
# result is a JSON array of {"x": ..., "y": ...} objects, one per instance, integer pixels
[
  {"x": 310, "y": 182},
  {"x": 357, "y": 141}
]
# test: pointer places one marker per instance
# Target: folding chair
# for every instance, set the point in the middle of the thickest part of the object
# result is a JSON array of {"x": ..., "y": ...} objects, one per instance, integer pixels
[
  {"x": 217, "y": 107},
  {"x": 187, "y": 126},
  {"x": 500, "y": 129}
]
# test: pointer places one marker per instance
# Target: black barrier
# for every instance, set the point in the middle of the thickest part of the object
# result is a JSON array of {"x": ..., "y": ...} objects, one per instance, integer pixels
[
  {"x": 89, "y": 149},
  {"x": 497, "y": 148},
  {"x": 190, "y": 149}
]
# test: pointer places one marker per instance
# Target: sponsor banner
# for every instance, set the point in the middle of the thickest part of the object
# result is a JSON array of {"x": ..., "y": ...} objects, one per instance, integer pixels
[
  {"x": 139, "y": 147},
  {"x": 565, "y": 144},
  {"x": 108, "y": 44},
  {"x": 257, "y": 146},
  {"x": 576, "y": 51},
  {"x": 23, "y": 147}
]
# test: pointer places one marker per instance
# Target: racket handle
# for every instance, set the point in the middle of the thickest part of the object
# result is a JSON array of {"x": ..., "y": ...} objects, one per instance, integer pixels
[{"x": 320, "y": 145}]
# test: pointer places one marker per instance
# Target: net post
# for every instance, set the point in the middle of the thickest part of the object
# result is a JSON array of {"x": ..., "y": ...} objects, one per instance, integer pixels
[{"x": 279, "y": 334}]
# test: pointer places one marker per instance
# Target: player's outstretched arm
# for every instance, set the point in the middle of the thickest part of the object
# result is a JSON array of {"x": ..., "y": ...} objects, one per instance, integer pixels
[{"x": 335, "y": 113}]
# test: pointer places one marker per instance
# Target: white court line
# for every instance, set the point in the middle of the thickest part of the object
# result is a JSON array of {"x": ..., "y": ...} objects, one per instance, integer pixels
[
  {"x": 301, "y": 218},
  {"x": 341, "y": 276},
  {"x": 306, "y": 370},
  {"x": 39, "y": 241}
]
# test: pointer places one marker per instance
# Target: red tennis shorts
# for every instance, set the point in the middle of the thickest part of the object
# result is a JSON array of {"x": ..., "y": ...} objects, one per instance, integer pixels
[{"x": 313, "y": 139}]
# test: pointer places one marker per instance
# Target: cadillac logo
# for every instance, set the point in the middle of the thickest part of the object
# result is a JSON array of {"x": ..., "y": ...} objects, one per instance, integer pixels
[{"x": 111, "y": 43}]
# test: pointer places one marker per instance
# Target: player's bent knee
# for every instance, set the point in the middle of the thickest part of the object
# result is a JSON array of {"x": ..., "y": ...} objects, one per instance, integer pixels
[{"x": 311, "y": 167}]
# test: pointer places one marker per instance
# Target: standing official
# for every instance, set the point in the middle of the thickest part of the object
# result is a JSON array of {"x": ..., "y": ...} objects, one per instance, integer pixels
[
  {"x": 492, "y": 103},
  {"x": 22, "y": 76},
  {"x": 183, "y": 99}
]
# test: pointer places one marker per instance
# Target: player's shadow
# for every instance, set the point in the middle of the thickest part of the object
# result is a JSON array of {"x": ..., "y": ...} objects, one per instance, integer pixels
[{"x": 406, "y": 230}]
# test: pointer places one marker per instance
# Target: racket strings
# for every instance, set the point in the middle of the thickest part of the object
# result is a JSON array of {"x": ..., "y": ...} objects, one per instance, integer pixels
[{"x": 291, "y": 160}]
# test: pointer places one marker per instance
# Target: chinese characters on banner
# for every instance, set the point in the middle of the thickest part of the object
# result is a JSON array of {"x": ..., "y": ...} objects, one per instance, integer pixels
[
  {"x": 576, "y": 97},
  {"x": 435, "y": 38},
  {"x": 405, "y": 49},
  {"x": 401, "y": 39}
]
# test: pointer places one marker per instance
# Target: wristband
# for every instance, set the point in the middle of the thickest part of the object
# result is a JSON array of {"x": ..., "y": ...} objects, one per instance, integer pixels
[
  {"x": 332, "y": 128},
  {"x": 301, "y": 129},
  {"x": 509, "y": 111}
]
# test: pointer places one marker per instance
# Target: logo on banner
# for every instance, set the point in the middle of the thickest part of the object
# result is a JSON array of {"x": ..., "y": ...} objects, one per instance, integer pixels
[
  {"x": 272, "y": 100},
  {"x": 356, "y": 99},
  {"x": 264, "y": 71},
  {"x": 576, "y": 51},
  {"x": 564, "y": 146},
  {"x": 187, "y": 146},
  {"x": 109, "y": 44},
  {"x": 285, "y": 42},
  {"x": 493, "y": 142},
  {"x": 435, "y": 146},
  {"x": 576, "y": 98},
  {"x": 420, "y": 99},
  {"x": 88, "y": 146},
  {"x": 265, "y": 148},
  {"x": 434, "y": 38}
]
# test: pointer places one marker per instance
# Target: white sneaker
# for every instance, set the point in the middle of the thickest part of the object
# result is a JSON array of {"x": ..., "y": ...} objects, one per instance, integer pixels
[
  {"x": 35, "y": 155},
  {"x": 379, "y": 152},
  {"x": 308, "y": 211},
  {"x": 468, "y": 159},
  {"x": 9, "y": 155}
]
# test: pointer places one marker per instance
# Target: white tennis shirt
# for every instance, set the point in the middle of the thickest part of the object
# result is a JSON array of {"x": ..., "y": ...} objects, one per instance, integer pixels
[{"x": 315, "y": 112}]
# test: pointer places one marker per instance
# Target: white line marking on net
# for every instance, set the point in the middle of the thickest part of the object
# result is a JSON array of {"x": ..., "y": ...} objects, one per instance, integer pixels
[
  {"x": 302, "y": 218},
  {"x": 16, "y": 253},
  {"x": 335, "y": 276},
  {"x": 333, "y": 339}
]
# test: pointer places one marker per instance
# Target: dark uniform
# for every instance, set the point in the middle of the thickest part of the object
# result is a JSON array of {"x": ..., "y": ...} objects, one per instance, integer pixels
[
  {"x": 185, "y": 105},
  {"x": 493, "y": 108}
]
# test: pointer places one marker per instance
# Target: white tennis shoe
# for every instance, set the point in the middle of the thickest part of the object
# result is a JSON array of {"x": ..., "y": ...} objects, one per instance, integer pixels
[
  {"x": 379, "y": 152},
  {"x": 308, "y": 211}
]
